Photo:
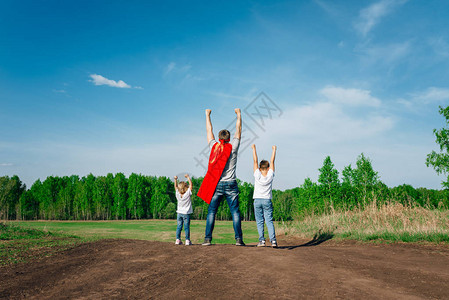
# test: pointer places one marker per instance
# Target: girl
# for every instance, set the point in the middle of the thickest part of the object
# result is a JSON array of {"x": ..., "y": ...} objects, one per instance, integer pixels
[{"x": 184, "y": 210}]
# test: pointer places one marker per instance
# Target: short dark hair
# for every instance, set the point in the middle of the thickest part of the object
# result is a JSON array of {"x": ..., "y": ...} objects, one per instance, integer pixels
[
  {"x": 264, "y": 164},
  {"x": 224, "y": 134}
]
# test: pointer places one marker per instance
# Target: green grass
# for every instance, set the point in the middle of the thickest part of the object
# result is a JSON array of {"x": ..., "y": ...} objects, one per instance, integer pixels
[
  {"x": 19, "y": 244},
  {"x": 154, "y": 230},
  {"x": 22, "y": 241}
]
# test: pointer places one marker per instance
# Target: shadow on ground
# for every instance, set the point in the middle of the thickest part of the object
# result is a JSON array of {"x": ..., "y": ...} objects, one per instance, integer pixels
[{"x": 318, "y": 238}]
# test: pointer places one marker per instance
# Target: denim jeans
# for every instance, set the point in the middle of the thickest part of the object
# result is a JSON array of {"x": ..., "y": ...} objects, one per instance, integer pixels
[
  {"x": 263, "y": 209},
  {"x": 182, "y": 218},
  {"x": 229, "y": 190}
]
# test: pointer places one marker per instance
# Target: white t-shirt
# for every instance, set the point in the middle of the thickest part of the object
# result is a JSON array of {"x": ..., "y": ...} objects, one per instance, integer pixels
[
  {"x": 262, "y": 185},
  {"x": 184, "y": 202}
]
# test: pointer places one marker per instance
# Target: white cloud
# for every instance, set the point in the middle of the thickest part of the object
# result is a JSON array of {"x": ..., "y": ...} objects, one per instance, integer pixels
[
  {"x": 352, "y": 97},
  {"x": 440, "y": 46},
  {"x": 6, "y": 164},
  {"x": 170, "y": 67},
  {"x": 327, "y": 7},
  {"x": 387, "y": 54},
  {"x": 100, "y": 80},
  {"x": 417, "y": 100},
  {"x": 371, "y": 15},
  {"x": 306, "y": 134},
  {"x": 432, "y": 94},
  {"x": 327, "y": 122}
]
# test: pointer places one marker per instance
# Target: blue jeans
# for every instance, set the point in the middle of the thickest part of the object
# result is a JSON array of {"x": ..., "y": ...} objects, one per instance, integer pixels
[
  {"x": 182, "y": 218},
  {"x": 263, "y": 209},
  {"x": 230, "y": 190}
]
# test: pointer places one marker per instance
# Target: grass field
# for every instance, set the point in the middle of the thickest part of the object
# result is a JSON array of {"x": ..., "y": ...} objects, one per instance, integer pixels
[
  {"x": 155, "y": 230},
  {"x": 21, "y": 241},
  {"x": 20, "y": 244}
]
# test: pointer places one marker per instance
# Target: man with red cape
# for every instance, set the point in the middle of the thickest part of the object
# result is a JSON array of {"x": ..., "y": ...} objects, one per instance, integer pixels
[{"x": 220, "y": 180}]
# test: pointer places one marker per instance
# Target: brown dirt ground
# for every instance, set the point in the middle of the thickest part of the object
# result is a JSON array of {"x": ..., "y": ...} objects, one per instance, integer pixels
[{"x": 134, "y": 269}]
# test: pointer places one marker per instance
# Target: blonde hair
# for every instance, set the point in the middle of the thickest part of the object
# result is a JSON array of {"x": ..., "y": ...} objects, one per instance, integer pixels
[{"x": 182, "y": 187}]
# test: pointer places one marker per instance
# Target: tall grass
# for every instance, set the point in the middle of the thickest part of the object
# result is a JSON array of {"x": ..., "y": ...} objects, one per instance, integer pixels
[{"x": 390, "y": 222}]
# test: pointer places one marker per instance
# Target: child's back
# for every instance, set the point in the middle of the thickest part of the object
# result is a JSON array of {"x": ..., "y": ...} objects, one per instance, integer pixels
[
  {"x": 263, "y": 184},
  {"x": 184, "y": 209},
  {"x": 263, "y": 206}
]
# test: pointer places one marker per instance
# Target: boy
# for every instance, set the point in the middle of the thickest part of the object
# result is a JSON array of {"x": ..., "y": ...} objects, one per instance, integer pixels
[{"x": 263, "y": 207}]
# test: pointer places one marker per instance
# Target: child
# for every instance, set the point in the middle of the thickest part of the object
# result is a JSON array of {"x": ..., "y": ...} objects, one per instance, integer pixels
[
  {"x": 184, "y": 209},
  {"x": 263, "y": 207}
]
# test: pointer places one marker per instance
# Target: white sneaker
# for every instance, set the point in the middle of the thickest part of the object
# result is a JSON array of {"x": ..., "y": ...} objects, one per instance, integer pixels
[
  {"x": 178, "y": 242},
  {"x": 188, "y": 243},
  {"x": 274, "y": 244},
  {"x": 261, "y": 244}
]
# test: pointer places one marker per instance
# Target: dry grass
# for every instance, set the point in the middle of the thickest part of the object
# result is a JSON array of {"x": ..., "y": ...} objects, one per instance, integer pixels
[{"x": 392, "y": 221}]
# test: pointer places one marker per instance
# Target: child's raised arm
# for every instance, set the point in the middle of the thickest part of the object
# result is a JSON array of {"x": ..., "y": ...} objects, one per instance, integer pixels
[
  {"x": 254, "y": 157},
  {"x": 176, "y": 183},
  {"x": 273, "y": 156},
  {"x": 190, "y": 181}
]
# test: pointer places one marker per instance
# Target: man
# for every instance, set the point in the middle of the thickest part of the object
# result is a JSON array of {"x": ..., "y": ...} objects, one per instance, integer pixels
[{"x": 220, "y": 180}]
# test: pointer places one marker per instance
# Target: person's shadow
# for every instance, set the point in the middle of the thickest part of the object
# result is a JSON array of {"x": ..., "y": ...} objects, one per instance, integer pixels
[{"x": 318, "y": 238}]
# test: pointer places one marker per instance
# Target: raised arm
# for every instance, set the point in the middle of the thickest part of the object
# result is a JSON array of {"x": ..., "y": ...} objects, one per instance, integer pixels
[
  {"x": 273, "y": 156},
  {"x": 238, "y": 124},
  {"x": 176, "y": 183},
  {"x": 190, "y": 181},
  {"x": 210, "y": 133},
  {"x": 254, "y": 158}
]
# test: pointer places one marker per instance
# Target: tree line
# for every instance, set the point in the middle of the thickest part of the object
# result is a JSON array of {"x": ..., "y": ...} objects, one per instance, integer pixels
[{"x": 117, "y": 197}]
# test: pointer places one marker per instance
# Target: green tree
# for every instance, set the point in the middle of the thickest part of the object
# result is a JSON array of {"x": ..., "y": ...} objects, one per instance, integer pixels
[
  {"x": 102, "y": 197},
  {"x": 282, "y": 205},
  {"x": 119, "y": 194},
  {"x": 329, "y": 182},
  {"x": 364, "y": 178},
  {"x": 440, "y": 161},
  {"x": 307, "y": 198},
  {"x": 136, "y": 196},
  {"x": 29, "y": 206},
  {"x": 246, "y": 201},
  {"x": 6, "y": 191}
]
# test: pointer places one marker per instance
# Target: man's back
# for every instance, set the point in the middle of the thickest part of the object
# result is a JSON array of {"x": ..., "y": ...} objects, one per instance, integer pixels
[{"x": 229, "y": 171}]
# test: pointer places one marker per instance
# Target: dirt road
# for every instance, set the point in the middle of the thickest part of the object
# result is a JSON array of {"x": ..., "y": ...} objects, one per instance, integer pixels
[{"x": 137, "y": 269}]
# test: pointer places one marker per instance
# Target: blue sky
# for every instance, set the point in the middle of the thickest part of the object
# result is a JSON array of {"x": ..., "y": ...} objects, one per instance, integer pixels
[{"x": 114, "y": 86}]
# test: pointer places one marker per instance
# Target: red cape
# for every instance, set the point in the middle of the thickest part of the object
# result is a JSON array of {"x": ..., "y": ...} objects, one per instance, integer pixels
[{"x": 218, "y": 158}]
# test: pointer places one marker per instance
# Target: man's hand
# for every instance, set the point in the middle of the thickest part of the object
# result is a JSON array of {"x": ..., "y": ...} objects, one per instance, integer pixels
[
  {"x": 176, "y": 177},
  {"x": 238, "y": 124},
  {"x": 253, "y": 146},
  {"x": 274, "y": 148},
  {"x": 186, "y": 176},
  {"x": 210, "y": 134}
]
